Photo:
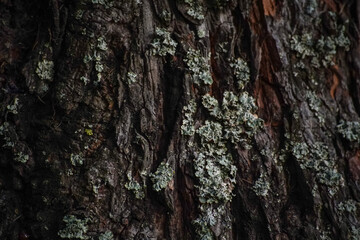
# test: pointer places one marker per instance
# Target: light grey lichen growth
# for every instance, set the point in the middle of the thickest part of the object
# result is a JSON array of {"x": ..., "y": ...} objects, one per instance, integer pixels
[
  {"x": 214, "y": 168},
  {"x": 45, "y": 69},
  {"x": 199, "y": 67},
  {"x": 349, "y": 206},
  {"x": 241, "y": 71},
  {"x": 21, "y": 157},
  {"x": 237, "y": 115},
  {"x": 322, "y": 51},
  {"x": 14, "y": 108},
  {"x": 187, "y": 127},
  {"x": 195, "y": 9},
  {"x": 349, "y": 130},
  {"x": 135, "y": 187},
  {"x": 262, "y": 186},
  {"x": 77, "y": 159},
  {"x": 5, "y": 132},
  {"x": 75, "y": 228},
  {"x": 215, "y": 172},
  {"x": 315, "y": 105},
  {"x": 102, "y": 45},
  {"x": 234, "y": 121},
  {"x": 318, "y": 160},
  {"x": 201, "y": 33},
  {"x": 131, "y": 77},
  {"x": 165, "y": 15},
  {"x": 161, "y": 178},
  {"x": 163, "y": 44},
  {"x": 85, "y": 80},
  {"x": 108, "y": 235},
  {"x": 354, "y": 233},
  {"x": 106, "y": 3},
  {"x": 311, "y": 6}
]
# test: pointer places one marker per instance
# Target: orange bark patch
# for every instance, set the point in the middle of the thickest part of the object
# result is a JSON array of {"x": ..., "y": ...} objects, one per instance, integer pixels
[
  {"x": 335, "y": 83},
  {"x": 269, "y": 7},
  {"x": 331, "y": 4}
]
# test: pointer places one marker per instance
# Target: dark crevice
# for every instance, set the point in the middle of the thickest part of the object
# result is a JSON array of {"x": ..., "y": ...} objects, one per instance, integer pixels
[
  {"x": 299, "y": 192},
  {"x": 172, "y": 92}
]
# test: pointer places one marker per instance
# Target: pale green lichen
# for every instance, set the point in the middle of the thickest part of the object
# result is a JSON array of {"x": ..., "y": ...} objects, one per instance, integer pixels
[
  {"x": 106, "y": 3},
  {"x": 319, "y": 161},
  {"x": 354, "y": 233},
  {"x": 349, "y": 130},
  {"x": 311, "y": 6},
  {"x": 237, "y": 114},
  {"x": 45, "y": 69},
  {"x": 201, "y": 33},
  {"x": 187, "y": 127},
  {"x": 349, "y": 206},
  {"x": 78, "y": 14},
  {"x": 241, "y": 71},
  {"x": 108, "y": 235},
  {"x": 77, "y": 159},
  {"x": 233, "y": 120},
  {"x": 135, "y": 187},
  {"x": 102, "y": 45},
  {"x": 320, "y": 52},
  {"x": 21, "y": 157},
  {"x": 262, "y": 186},
  {"x": 5, "y": 132},
  {"x": 199, "y": 67},
  {"x": 75, "y": 228},
  {"x": 131, "y": 77},
  {"x": 14, "y": 108},
  {"x": 85, "y": 80},
  {"x": 163, "y": 44},
  {"x": 195, "y": 9},
  {"x": 165, "y": 15},
  {"x": 161, "y": 178},
  {"x": 315, "y": 105}
]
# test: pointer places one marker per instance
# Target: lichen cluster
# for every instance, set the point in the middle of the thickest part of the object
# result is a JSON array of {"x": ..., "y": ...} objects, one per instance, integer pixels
[
  {"x": 241, "y": 71},
  {"x": 75, "y": 228},
  {"x": 5, "y": 132},
  {"x": 237, "y": 114},
  {"x": 135, "y": 187},
  {"x": 14, "y": 108},
  {"x": 262, "y": 186},
  {"x": 315, "y": 105},
  {"x": 131, "y": 77},
  {"x": 45, "y": 69},
  {"x": 21, "y": 157},
  {"x": 195, "y": 9},
  {"x": 108, "y": 235},
  {"x": 77, "y": 159},
  {"x": 106, "y": 3},
  {"x": 162, "y": 176},
  {"x": 349, "y": 130},
  {"x": 349, "y": 206},
  {"x": 318, "y": 160},
  {"x": 199, "y": 67},
  {"x": 320, "y": 52},
  {"x": 163, "y": 44},
  {"x": 96, "y": 56},
  {"x": 187, "y": 127},
  {"x": 232, "y": 121}
]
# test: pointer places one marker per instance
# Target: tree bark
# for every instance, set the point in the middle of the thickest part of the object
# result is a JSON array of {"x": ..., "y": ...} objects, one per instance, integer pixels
[{"x": 186, "y": 119}]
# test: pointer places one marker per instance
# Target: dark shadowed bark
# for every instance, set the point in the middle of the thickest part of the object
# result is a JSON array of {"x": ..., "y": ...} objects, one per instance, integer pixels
[{"x": 179, "y": 119}]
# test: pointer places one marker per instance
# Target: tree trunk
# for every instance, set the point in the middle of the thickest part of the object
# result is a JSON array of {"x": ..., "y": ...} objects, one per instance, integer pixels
[{"x": 186, "y": 119}]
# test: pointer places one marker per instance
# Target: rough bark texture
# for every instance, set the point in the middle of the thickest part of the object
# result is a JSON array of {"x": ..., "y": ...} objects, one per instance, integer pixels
[{"x": 94, "y": 136}]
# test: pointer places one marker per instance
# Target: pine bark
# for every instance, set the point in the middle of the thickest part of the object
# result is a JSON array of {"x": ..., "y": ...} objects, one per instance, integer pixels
[{"x": 88, "y": 107}]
